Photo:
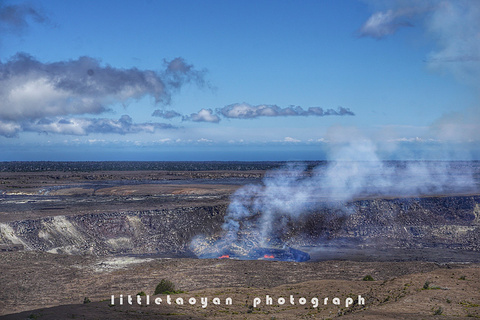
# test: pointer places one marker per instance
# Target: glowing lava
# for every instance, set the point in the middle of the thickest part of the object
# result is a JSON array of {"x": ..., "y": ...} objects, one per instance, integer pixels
[{"x": 258, "y": 253}]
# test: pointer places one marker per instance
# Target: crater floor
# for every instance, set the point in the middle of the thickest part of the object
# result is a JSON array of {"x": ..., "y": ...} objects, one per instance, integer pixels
[{"x": 67, "y": 236}]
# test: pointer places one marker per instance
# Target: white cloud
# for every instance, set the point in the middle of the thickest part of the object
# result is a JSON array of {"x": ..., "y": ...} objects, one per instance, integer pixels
[
  {"x": 381, "y": 24},
  {"x": 85, "y": 126},
  {"x": 290, "y": 139},
  {"x": 9, "y": 128},
  {"x": 204, "y": 115},
  {"x": 415, "y": 139},
  {"x": 31, "y": 92},
  {"x": 453, "y": 25},
  {"x": 166, "y": 114},
  {"x": 454, "y": 28},
  {"x": 247, "y": 111},
  {"x": 96, "y": 140}
]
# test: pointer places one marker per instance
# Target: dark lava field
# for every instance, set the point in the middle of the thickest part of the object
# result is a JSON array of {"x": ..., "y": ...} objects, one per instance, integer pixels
[{"x": 75, "y": 232}]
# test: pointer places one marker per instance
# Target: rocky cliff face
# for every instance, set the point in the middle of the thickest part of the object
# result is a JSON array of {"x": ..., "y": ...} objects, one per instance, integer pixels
[
  {"x": 449, "y": 222},
  {"x": 445, "y": 222},
  {"x": 141, "y": 232}
]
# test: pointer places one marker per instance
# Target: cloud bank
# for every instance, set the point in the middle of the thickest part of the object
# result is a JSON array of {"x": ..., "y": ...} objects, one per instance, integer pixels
[
  {"x": 246, "y": 111},
  {"x": 80, "y": 126},
  {"x": 31, "y": 91},
  {"x": 85, "y": 126}
]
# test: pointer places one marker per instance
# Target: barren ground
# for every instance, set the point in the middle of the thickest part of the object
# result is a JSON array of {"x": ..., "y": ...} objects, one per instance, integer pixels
[{"x": 40, "y": 285}]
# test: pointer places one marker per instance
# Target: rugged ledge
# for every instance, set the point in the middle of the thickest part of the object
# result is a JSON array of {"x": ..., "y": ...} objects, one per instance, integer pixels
[
  {"x": 445, "y": 222},
  {"x": 138, "y": 232}
]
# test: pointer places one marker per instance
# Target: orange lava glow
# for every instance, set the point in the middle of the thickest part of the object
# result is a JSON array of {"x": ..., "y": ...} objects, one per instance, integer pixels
[
  {"x": 225, "y": 256},
  {"x": 268, "y": 257}
]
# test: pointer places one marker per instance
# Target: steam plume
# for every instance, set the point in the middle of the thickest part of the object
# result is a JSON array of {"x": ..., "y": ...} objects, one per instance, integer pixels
[{"x": 258, "y": 213}]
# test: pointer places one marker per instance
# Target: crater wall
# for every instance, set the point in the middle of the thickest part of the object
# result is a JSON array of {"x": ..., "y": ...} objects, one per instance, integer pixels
[
  {"x": 137, "y": 232},
  {"x": 443, "y": 222}
]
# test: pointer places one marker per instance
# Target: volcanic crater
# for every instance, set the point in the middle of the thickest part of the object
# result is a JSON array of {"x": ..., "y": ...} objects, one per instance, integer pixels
[{"x": 118, "y": 222}]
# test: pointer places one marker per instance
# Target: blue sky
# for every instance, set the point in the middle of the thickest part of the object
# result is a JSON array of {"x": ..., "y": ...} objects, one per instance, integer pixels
[{"x": 239, "y": 80}]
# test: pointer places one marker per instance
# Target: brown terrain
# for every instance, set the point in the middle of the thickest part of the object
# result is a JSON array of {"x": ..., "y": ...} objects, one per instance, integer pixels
[{"x": 71, "y": 240}]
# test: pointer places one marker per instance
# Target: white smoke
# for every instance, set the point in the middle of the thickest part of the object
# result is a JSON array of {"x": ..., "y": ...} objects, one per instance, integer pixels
[{"x": 258, "y": 212}]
